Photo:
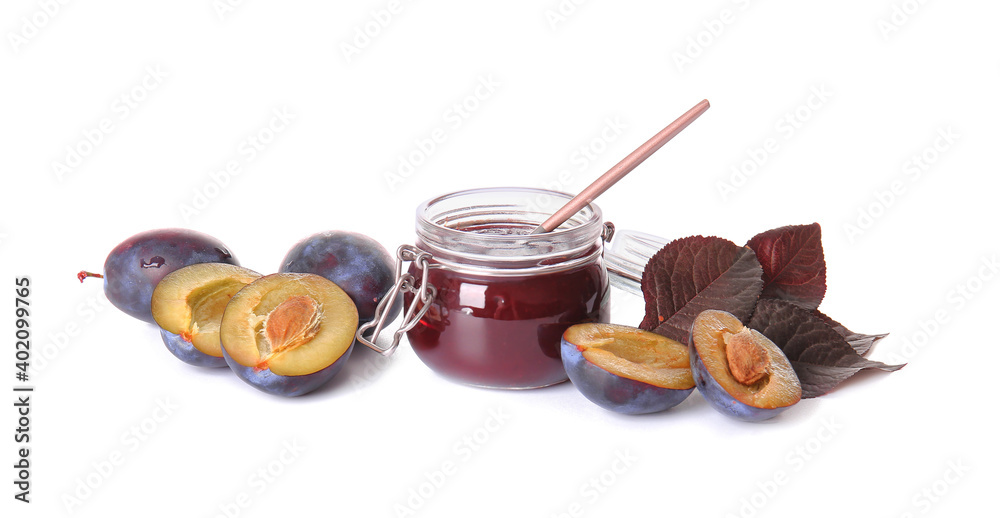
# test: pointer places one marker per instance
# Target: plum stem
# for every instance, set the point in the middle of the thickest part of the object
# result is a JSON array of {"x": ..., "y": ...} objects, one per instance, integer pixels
[{"x": 84, "y": 274}]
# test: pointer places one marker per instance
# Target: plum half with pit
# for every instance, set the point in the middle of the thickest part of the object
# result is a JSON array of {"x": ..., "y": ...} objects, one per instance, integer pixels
[
  {"x": 739, "y": 371},
  {"x": 188, "y": 305},
  {"x": 134, "y": 267},
  {"x": 287, "y": 334},
  {"x": 357, "y": 263},
  {"x": 626, "y": 370}
]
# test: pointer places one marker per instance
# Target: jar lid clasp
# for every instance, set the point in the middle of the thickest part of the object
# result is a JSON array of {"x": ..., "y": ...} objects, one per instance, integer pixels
[{"x": 405, "y": 282}]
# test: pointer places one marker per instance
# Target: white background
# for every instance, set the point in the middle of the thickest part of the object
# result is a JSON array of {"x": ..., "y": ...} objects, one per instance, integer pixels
[{"x": 918, "y": 441}]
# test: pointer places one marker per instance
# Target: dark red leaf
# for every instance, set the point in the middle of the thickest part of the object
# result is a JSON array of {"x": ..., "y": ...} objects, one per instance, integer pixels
[
  {"x": 861, "y": 343},
  {"x": 690, "y": 275},
  {"x": 793, "y": 263},
  {"x": 821, "y": 357}
]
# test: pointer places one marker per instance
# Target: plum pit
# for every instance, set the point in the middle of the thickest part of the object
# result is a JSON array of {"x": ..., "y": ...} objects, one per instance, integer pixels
[
  {"x": 292, "y": 323},
  {"x": 748, "y": 360}
]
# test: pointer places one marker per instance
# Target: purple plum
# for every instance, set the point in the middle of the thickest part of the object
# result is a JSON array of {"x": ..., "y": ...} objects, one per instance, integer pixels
[
  {"x": 357, "y": 263},
  {"x": 188, "y": 305},
  {"x": 739, "y": 371},
  {"x": 134, "y": 267},
  {"x": 287, "y": 334},
  {"x": 626, "y": 370},
  {"x": 185, "y": 351}
]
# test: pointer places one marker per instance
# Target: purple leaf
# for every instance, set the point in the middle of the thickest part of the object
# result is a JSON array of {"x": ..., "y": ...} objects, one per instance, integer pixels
[
  {"x": 793, "y": 263},
  {"x": 861, "y": 343},
  {"x": 690, "y": 275},
  {"x": 821, "y": 357}
]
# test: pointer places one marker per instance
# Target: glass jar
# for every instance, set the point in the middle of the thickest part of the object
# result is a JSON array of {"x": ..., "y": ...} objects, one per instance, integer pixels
[{"x": 498, "y": 297}]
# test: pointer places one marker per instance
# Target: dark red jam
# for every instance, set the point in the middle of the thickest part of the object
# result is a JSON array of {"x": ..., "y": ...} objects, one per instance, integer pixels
[{"x": 505, "y": 332}]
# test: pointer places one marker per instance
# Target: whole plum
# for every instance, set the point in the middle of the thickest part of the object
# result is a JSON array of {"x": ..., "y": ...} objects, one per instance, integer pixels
[
  {"x": 134, "y": 267},
  {"x": 357, "y": 263}
]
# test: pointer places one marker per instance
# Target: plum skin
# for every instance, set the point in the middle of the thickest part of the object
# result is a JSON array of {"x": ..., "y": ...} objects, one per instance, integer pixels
[
  {"x": 187, "y": 353},
  {"x": 720, "y": 399},
  {"x": 613, "y": 392},
  {"x": 357, "y": 263},
  {"x": 288, "y": 386},
  {"x": 134, "y": 267}
]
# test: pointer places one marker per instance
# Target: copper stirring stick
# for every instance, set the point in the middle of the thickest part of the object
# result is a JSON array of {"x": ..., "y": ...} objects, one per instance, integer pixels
[{"x": 621, "y": 169}]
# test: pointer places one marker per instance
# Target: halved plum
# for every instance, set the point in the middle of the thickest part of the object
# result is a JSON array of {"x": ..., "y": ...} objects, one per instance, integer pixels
[
  {"x": 188, "y": 305},
  {"x": 288, "y": 333},
  {"x": 739, "y": 371},
  {"x": 626, "y": 370}
]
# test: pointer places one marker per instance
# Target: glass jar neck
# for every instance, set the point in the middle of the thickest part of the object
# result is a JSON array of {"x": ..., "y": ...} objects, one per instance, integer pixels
[{"x": 489, "y": 229}]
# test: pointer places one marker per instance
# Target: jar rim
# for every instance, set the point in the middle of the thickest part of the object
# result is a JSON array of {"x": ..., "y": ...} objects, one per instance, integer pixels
[{"x": 513, "y": 211}]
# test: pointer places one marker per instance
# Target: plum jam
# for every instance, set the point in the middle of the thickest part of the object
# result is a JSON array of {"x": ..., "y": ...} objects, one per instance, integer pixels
[{"x": 505, "y": 297}]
